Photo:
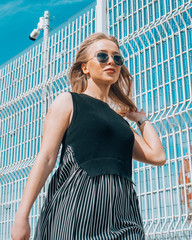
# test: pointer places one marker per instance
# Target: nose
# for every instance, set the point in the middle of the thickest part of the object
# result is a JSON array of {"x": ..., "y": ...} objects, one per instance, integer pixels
[{"x": 110, "y": 60}]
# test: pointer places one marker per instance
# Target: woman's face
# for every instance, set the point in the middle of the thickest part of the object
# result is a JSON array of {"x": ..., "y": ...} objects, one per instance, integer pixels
[{"x": 102, "y": 72}]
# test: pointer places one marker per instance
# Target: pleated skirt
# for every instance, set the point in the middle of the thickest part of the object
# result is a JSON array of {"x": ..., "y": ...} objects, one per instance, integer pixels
[{"x": 79, "y": 207}]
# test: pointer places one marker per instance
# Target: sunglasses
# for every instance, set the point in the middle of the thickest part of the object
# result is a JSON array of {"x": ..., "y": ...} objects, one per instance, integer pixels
[{"x": 103, "y": 57}]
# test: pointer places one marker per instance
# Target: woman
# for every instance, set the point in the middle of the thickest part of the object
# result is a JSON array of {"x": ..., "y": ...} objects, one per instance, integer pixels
[{"x": 91, "y": 195}]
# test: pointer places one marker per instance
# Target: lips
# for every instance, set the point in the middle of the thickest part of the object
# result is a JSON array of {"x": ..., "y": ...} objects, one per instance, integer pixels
[{"x": 112, "y": 70}]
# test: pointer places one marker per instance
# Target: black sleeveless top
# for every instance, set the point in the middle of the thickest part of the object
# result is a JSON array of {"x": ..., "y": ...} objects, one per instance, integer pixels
[{"x": 101, "y": 139}]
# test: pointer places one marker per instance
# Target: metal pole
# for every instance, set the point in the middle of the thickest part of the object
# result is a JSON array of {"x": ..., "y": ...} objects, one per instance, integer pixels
[
  {"x": 101, "y": 16},
  {"x": 46, "y": 26}
]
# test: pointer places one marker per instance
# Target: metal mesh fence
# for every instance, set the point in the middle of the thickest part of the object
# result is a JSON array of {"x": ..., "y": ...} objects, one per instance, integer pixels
[
  {"x": 156, "y": 41},
  {"x": 23, "y": 96}
]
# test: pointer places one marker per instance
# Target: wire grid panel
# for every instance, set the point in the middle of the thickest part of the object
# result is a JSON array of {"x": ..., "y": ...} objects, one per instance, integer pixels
[
  {"x": 156, "y": 40},
  {"x": 155, "y": 36},
  {"x": 24, "y": 95}
]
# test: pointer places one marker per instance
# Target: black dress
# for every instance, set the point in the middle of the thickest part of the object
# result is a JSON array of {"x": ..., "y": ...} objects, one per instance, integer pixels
[{"x": 91, "y": 195}]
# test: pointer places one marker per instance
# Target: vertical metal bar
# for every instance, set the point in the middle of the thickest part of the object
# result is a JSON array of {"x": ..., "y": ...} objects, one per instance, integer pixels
[
  {"x": 45, "y": 65},
  {"x": 101, "y": 16}
]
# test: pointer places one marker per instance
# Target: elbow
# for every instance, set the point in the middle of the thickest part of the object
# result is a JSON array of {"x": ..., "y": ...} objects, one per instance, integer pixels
[
  {"x": 161, "y": 160},
  {"x": 48, "y": 161}
]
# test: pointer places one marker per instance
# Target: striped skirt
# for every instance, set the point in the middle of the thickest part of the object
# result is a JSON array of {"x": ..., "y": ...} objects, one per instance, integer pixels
[{"x": 78, "y": 207}]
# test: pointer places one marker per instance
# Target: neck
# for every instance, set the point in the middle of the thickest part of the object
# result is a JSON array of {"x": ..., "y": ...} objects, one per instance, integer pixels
[{"x": 99, "y": 95}]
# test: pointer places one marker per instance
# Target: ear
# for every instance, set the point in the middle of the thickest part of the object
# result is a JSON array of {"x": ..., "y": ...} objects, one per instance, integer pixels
[{"x": 84, "y": 68}]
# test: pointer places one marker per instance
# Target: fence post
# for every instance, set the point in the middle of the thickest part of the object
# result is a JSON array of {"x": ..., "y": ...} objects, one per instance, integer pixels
[
  {"x": 45, "y": 57},
  {"x": 101, "y": 16}
]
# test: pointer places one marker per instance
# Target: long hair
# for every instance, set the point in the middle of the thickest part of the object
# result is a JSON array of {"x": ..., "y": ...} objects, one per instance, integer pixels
[{"x": 120, "y": 93}]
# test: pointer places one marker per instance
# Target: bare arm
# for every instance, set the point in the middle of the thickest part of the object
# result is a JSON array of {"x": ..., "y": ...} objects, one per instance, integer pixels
[
  {"x": 148, "y": 148},
  {"x": 56, "y": 123},
  {"x": 36, "y": 180}
]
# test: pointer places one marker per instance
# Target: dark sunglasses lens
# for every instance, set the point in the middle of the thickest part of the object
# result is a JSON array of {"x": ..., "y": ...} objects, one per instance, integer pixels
[
  {"x": 102, "y": 57},
  {"x": 118, "y": 60}
]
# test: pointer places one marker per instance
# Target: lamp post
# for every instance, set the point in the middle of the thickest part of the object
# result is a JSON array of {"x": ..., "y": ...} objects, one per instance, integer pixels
[{"x": 44, "y": 24}]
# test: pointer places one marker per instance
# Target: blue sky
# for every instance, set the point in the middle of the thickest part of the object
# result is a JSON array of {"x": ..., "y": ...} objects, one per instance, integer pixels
[{"x": 18, "y": 18}]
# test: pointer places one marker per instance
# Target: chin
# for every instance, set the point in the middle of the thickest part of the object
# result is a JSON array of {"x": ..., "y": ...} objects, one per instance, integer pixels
[
  {"x": 110, "y": 78},
  {"x": 107, "y": 80}
]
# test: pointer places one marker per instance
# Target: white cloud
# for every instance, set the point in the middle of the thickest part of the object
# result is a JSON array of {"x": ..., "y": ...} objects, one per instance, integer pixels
[
  {"x": 61, "y": 2},
  {"x": 12, "y": 8}
]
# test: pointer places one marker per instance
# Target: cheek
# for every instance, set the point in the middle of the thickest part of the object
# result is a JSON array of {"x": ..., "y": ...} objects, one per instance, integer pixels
[
  {"x": 119, "y": 71},
  {"x": 95, "y": 68}
]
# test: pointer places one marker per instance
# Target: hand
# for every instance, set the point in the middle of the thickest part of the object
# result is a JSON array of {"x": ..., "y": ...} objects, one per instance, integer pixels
[
  {"x": 20, "y": 229},
  {"x": 135, "y": 116}
]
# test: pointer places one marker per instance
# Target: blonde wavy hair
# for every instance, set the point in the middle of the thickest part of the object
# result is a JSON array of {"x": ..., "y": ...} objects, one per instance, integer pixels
[{"x": 120, "y": 93}]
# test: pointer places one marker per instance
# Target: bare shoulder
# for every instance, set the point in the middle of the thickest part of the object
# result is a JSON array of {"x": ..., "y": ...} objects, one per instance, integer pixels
[
  {"x": 60, "y": 110},
  {"x": 56, "y": 123},
  {"x": 63, "y": 100}
]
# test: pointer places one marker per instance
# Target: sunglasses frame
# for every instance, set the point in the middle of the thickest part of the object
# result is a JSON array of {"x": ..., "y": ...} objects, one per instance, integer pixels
[{"x": 108, "y": 58}]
